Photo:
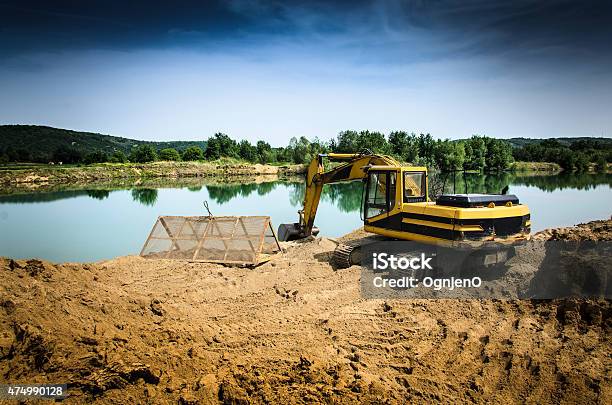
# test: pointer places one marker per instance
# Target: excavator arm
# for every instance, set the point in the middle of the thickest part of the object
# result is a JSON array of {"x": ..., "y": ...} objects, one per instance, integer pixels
[{"x": 354, "y": 167}]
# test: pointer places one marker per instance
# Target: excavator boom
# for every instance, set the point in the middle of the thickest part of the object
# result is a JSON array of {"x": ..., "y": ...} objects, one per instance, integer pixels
[{"x": 354, "y": 167}]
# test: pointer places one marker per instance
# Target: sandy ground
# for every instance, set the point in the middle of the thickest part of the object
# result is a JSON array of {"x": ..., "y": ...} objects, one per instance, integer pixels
[{"x": 132, "y": 330}]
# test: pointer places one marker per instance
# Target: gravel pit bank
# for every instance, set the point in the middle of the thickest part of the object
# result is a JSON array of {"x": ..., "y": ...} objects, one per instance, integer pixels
[{"x": 132, "y": 330}]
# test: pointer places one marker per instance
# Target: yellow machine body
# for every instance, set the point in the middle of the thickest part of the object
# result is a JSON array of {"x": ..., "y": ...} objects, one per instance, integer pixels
[{"x": 397, "y": 205}]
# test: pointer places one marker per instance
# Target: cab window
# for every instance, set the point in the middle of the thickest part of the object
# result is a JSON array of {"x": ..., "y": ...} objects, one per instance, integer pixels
[
  {"x": 380, "y": 193},
  {"x": 414, "y": 186}
]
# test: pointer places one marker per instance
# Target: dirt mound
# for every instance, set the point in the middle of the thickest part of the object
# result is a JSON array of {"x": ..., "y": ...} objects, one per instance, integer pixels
[
  {"x": 591, "y": 231},
  {"x": 132, "y": 330}
]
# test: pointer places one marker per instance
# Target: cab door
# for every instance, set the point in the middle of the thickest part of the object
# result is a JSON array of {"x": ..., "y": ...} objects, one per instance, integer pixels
[{"x": 380, "y": 197}]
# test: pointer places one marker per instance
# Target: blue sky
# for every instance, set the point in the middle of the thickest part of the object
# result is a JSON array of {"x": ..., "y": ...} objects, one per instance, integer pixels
[{"x": 272, "y": 70}]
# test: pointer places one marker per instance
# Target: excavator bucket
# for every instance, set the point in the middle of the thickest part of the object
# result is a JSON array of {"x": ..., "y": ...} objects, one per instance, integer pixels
[
  {"x": 289, "y": 232},
  {"x": 235, "y": 240}
]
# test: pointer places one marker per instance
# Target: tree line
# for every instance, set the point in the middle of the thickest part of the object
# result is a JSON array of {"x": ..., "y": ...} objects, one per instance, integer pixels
[
  {"x": 578, "y": 155},
  {"x": 478, "y": 153}
]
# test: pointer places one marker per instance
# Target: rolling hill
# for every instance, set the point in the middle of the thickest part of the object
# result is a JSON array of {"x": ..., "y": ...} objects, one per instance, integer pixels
[{"x": 42, "y": 141}]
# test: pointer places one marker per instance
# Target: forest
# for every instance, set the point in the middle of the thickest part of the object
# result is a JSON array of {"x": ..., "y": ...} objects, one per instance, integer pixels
[{"x": 477, "y": 153}]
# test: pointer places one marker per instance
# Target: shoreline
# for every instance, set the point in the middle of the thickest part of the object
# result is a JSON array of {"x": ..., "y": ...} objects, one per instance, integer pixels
[
  {"x": 144, "y": 182},
  {"x": 35, "y": 176},
  {"x": 595, "y": 230},
  {"x": 123, "y": 171}
]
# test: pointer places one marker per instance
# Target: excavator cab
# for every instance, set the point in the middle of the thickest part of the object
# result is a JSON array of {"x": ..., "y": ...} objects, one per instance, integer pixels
[{"x": 388, "y": 187}]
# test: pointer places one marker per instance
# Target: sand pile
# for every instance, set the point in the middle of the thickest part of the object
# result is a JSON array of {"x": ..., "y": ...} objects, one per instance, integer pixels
[
  {"x": 132, "y": 330},
  {"x": 591, "y": 231}
]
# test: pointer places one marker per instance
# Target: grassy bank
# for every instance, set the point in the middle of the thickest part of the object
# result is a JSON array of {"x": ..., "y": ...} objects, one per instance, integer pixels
[
  {"x": 33, "y": 174},
  {"x": 535, "y": 167},
  {"x": 194, "y": 183}
]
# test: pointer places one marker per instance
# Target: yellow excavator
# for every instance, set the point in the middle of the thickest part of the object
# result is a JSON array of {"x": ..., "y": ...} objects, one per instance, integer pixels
[{"x": 396, "y": 205}]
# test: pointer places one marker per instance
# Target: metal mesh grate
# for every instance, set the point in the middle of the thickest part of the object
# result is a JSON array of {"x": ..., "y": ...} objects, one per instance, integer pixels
[{"x": 234, "y": 240}]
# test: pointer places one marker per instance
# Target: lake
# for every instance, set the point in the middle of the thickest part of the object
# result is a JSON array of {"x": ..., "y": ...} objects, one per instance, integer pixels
[{"x": 104, "y": 221}]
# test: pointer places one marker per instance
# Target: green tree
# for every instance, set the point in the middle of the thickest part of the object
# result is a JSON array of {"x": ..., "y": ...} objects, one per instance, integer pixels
[
  {"x": 449, "y": 155},
  {"x": 578, "y": 156},
  {"x": 553, "y": 154},
  {"x": 566, "y": 160},
  {"x": 550, "y": 143},
  {"x": 12, "y": 155},
  {"x": 354, "y": 142},
  {"x": 498, "y": 155},
  {"x": 299, "y": 150},
  {"x": 581, "y": 162},
  {"x": 67, "y": 154},
  {"x": 193, "y": 153},
  {"x": 24, "y": 155},
  {"x": 372, "y": 140},
  {"x": 95, "y": 157},
  {"x": 600, "y": 162},
  {"x": 317, "y": 147},
  {"x": 213, "y": 149},
  {"x": 347, "y": 142},
  {"x": 475, "y": 152},
  {"x": 221, "y": 145},
  {"x": 404, "y": 146},
  {"x": 118, "y": 157},
  {"x": 283, "y": 155},
  {"x": 247, "y": 151},
  {"x": 143, "y": 154},
  {"x": 170, "y": 154},
  {"x": 426, "y": 145},
  {"x": 264, "y": 152}
]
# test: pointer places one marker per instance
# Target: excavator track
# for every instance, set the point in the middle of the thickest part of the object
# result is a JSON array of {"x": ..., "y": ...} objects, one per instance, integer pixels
[
  {"x": 341, "y": 258},
  {"x": 349, "y": 253}
]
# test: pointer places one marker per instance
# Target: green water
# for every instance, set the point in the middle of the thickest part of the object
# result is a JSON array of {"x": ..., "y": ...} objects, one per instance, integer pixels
[{"x": 100, "y": 222}]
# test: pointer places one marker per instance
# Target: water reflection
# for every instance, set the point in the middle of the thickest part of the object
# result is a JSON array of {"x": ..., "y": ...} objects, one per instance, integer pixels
[
  {"x": 346, "y": 197},
  {"x": 145, "y": 196},
  {"x": 98, "y": 194},
  {"x": 58, "y": 223},
  {"x": 578, "y": 181},
  {"x": 42, "y": 197},
  {"x": 222, "y": 193},
  {"x": 495, "y": 183}
]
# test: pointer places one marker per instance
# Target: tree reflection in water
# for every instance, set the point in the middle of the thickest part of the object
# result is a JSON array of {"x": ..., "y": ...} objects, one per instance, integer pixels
[
  {"x": 145, "y": 196},
  {"x": 346, "y": 196}
]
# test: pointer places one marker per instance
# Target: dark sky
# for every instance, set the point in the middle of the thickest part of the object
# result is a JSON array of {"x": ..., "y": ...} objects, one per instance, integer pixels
[
  {"x": 553, "y": 28},
  {"x": 545, "y": 44}
]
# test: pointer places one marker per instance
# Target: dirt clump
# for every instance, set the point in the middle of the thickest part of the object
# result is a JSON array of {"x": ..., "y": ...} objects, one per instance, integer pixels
[{"x": 131, "y": 330}]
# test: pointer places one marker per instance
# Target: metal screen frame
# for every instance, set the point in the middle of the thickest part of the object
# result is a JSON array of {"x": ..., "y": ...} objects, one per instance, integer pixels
[{"x": 239, "y": 232}]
